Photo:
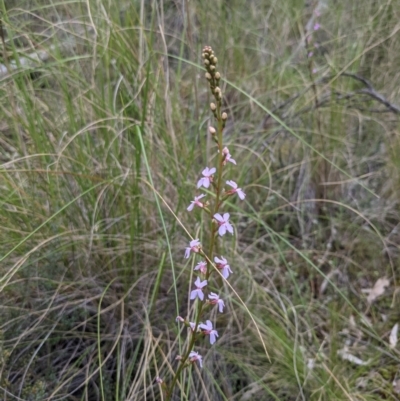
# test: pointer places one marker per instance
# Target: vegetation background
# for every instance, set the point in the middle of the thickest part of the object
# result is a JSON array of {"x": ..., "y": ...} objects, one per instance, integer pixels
[{"x": 103, "y": 122}]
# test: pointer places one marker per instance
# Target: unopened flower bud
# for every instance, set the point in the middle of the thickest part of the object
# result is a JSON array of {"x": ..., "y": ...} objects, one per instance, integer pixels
[
  {"x": 159, "y": 380},
  {"x": 212, "y": 67},
  {"x": 212, "y": 130},
  {"x": 217, "y": 75},
  {"x": 206, "y": 62},
  {"x": 214, "y": 60},
  {"x": 203, "y": 55},
  {"x": 224, "y": 116},
  {"x": 213, "y": 107},
  {"x": 208, "y": 76}
]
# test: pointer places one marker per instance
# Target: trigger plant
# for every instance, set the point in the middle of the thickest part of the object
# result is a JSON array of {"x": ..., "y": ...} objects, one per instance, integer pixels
[{"x": 210, "y": 266}]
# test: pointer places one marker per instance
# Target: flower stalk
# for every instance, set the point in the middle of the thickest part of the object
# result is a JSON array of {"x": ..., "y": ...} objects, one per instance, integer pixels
[{"x": 219, "y": 226}]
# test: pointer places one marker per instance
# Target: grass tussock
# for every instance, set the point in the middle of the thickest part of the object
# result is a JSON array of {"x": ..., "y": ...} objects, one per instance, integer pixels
[{"x": 103, "y": 121}]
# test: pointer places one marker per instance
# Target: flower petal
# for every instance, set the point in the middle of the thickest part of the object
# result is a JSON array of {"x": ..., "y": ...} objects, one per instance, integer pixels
[
  {"x": 218, "y": 217},
  {"x": 232, "y": 184}
]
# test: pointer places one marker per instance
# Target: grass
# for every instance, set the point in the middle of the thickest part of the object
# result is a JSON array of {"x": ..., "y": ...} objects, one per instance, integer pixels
[{"x": 101, "y": 146}]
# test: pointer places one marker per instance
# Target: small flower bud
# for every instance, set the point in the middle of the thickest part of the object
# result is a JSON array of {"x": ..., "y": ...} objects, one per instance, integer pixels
[
  {"x": 208, "y": 76},
  {"x": 159, "y": 380},
  {"x": 217, "y": 75},
  {"x": 203, "y": 55},
  {"x": 212, "y": 130},
  {"x": 217, "y": 93},
  {"x": 212, "y": 67},
  {"x": 206, "y": 62},
  {"x": 224, "y": 116},
  {"x": 213, "y": 107},
  {"x": 214, "y": 60}
]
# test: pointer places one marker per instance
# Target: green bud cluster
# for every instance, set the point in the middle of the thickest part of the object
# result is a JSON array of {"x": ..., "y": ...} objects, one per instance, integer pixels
[{"x": 213, "y": 77}]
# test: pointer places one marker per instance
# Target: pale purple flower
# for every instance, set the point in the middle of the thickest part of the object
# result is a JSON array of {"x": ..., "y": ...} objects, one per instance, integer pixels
[
  {"x": 180, "y": 319},
  {"x": 224, "y": 224},
  {"x": 194, "y": 246},
  {"x": 195, "y": 356},
  {"x": 239, "y": 191},
  {"x": 207, "y": 177},
  {"x": 159, "y": 380},
  {"x": 202, "y": 266},
  {"x": 228, "y": 156},
  {"x": 196, "y": 202},
  {"x": 317, "y": 26},
  {"x": 214, "y": 299},
  {"x": 193, "y": 326},
  {"x": 310, "y": 54},
  {"x": 198, "y": 292},
  {"x": 208, "y": 330},
  {"x": 223, "y": 265}
]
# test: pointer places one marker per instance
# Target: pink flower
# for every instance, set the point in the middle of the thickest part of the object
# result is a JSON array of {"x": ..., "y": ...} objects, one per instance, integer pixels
[
  {"x": 223, "y": 265},
  {"x": 193, "y": 247},
  {"x": 224, "y": 224},
  {"x": 194, "y": 356},
  {"x": 180, "y": 319},
  {"x": 208, "y": 330},
  {"x": 228, "y": 156},
  {"x": 159, "y": 380},
  {"x": 202, "y": 266},
  {"x": 198, "y": 292},
  {"x": 214, "y": 299},
  {"x": 207, "y": 177},
  {"x": 317, "y": 26},
  {"x": 239, "y": 191},
  {"x": 196, "y": 202}
]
